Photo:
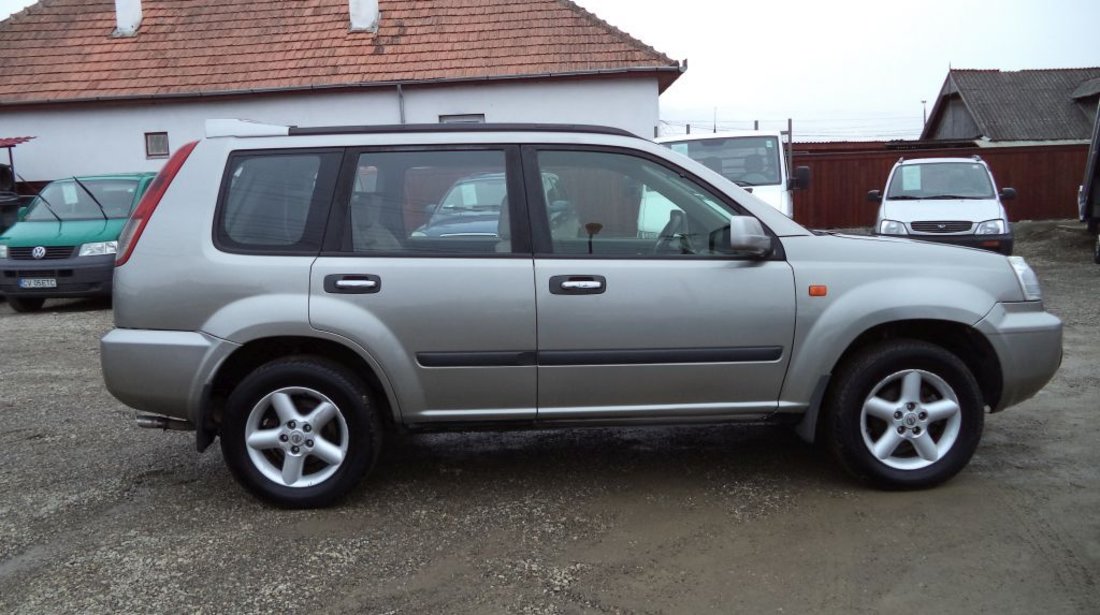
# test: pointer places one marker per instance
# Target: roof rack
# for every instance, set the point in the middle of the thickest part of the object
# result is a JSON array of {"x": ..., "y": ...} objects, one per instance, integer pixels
[{"x": 489, "y": 127}]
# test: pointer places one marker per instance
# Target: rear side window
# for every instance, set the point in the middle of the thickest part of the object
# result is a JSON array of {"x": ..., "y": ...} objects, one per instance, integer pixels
[{"x": 276, "y": 202}]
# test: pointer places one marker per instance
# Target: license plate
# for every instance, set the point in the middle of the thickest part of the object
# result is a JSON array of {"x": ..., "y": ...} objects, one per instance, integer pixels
[{"x": 37, "y": 283}]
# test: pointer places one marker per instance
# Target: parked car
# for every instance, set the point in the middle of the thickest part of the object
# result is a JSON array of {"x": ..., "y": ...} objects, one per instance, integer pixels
[
  {"x": 64, "y": 243},
  {"x": 266, "y": 295},
  {"x": 471, "y": 207},
  {"x": 949, "y": 200}
]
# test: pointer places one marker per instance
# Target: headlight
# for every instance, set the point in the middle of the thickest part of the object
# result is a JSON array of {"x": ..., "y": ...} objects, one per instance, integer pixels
[
  {"x": 891, "y": 227},
  {"x": 1029, "y": 282},
  {"x": 991, "y": 227},
  {"x": 98, "y": 248},
  {"x": 3, "y": 251}
]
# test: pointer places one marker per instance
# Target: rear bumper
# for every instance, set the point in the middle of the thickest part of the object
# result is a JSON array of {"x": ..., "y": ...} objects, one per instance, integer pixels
[
  {"x": 163, "y": 372},
  {"x": 1028, "y": 343},
  {"x": 88, "y": 276}
]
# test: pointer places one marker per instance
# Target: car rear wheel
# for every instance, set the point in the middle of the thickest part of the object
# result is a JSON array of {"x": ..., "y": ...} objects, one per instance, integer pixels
[
  {"x": 904, "y": 414},
  {"x": 300, "y": 432},
  {"x": 26, "y": 304}
]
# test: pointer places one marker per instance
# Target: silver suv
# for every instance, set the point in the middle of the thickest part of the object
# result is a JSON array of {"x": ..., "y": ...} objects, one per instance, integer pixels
[{"x": 272, "y": 291}]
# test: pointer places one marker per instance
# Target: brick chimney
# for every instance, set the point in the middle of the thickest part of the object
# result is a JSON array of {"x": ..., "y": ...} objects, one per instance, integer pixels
[
  {"x": 364, "y": 15},
  {"x": 127, "y": 17}
]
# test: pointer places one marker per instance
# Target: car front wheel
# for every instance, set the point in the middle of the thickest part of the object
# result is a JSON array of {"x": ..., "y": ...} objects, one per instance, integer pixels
[
  {"x": 26, "y": 304},
  {"x": 300, "y": 432},
  {"x": 904, "y": 414}
]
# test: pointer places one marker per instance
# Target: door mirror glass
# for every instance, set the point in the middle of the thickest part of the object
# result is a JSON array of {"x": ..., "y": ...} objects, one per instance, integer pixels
[
  {"x": 1007, "y": 194},
  {"x": 874, "y": 196},
  {"x": 801, "y": 179}
]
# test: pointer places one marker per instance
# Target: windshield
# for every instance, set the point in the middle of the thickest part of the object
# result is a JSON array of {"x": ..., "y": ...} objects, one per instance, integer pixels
[
  {"x": 69, "y": 201},
  {"x": 746, "y": 161},
  {"x": 941, "y": 180}
]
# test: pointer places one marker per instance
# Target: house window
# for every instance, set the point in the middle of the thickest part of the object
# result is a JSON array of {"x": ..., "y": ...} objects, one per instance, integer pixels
[
  {"x": 466, "y": 118},
  {"x": 156, "y": 145}
]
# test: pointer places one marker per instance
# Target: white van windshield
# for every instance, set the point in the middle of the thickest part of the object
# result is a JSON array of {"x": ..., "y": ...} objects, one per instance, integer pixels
[{"x": 746, "y": 161}]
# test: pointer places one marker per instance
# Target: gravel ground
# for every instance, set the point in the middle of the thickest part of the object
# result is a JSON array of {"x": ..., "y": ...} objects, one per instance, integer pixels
[{"x": 99, "y": 516}]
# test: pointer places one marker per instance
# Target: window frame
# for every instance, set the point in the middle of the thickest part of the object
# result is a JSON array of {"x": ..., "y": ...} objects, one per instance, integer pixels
[
  {"x": 167, "y": 145},
  {"x": 338, "y": 238},
  {"x": 462, "y": 118},
  {"x": 542, "y": 241},
  {"x": 320, "y": 205}
]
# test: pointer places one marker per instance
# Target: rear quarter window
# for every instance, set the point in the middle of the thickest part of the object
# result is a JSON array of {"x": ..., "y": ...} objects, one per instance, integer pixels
[{"x": 276, "y": 202}]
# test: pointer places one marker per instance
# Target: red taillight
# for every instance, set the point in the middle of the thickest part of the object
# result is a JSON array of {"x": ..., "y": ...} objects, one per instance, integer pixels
[{"x": 136, "y": 224}]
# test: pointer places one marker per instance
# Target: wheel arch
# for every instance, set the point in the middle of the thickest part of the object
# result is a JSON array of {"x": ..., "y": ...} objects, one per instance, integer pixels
[
  {"x": 962, "y": 340},
  {"x": 257, "y": 352}
]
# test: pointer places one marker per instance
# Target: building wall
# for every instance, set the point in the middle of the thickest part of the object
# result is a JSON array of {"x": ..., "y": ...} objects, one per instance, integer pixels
[
  {"x": 955, "y": 122},
  {"x": 106, "y": 138},
  {"x": 1045, "y": 177}
]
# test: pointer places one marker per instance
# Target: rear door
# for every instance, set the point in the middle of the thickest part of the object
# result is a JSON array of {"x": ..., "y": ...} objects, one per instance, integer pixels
[
  {"x": 444, "y": 304},
  {"x": 637, "y": 323}
]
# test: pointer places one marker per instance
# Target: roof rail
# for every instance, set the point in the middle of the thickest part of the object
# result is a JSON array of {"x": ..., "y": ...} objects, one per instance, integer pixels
[
  {"x": 424, "y": 128},
  {"x": 243, "y": 128}
]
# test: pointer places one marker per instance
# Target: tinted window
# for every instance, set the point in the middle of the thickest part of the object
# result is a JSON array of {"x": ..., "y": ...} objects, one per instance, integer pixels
[
  {"x": 277, "y": 201},
  {"x": 616, "y": 204},
  {"x": 429, "y": 202}
]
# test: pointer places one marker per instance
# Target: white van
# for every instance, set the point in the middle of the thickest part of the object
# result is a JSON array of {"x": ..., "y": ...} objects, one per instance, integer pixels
[{"x": 752, "y": 159}]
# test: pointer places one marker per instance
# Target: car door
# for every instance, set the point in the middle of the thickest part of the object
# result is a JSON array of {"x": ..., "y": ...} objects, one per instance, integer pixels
[
  {"x": 641, "y": 324},
  {"x": 448, "y": 318}
]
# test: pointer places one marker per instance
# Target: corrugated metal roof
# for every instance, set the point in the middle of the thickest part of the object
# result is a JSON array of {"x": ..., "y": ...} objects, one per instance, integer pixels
[
  {"x": 1026, "y": 105},
  {"x": 62, "y": 50}
]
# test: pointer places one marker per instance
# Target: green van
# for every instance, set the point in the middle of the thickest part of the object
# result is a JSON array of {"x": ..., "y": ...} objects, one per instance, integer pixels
[{"x": 65, "y": 241}]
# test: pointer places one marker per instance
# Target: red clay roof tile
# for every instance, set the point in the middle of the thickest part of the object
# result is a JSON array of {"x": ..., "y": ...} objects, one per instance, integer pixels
[{"x": 62, "y": 50}]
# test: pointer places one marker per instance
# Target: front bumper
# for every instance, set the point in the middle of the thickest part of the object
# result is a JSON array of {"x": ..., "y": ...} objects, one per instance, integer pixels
[
  {"x": 87, "y": 276},
  {"x": 1028, "y": 343},
  {"x": 163, "y": 372},
  {"x": 995, "y": 243}
]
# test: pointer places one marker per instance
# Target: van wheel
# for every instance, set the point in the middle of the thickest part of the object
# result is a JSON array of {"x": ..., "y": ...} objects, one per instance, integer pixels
[
  {"x": 300, "y": 432},
  {"x": 26, "y": 304},
  {"x": 904, "y": 414}
]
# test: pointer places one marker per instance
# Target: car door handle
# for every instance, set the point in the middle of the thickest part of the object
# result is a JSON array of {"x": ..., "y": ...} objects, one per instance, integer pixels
[
  {"x": 352, "y": 283},
  {"x": 578, "y": 284}
]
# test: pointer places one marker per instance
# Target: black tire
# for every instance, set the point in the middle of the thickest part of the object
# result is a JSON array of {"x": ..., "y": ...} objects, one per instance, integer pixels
[
  {"x": 26, "y": 304},
  {"x": 1096, "y": 251},
  {"x": 849, "y": 434},
  {"x": 302, "y": 379}
]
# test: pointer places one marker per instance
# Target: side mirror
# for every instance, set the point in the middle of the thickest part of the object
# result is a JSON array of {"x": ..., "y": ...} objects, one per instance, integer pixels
[
  {"x": 1007, "y": 194},
  {"x": 747, "y": 235},
  {"x": 874, "y": 196},
  {"x": 22, "y": 213},
  {"x": 429, "y": 208},
  {"x": 801, "y": 179}
]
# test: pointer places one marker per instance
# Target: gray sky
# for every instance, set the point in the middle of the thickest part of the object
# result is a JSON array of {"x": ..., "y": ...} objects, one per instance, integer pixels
[{"x": 845, "y": 69}]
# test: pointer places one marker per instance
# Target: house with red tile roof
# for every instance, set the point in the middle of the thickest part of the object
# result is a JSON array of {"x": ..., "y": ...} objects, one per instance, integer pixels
[{"x": 116, "y": 85}]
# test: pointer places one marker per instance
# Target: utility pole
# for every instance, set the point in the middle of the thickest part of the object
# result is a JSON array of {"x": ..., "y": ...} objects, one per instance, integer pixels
[
  {"x": 924, "y": 111},
  {"x": 715, "y": 120}
]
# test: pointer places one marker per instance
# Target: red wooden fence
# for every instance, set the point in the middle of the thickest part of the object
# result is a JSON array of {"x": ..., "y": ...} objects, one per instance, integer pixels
[{"x": 1045, "y": 177}]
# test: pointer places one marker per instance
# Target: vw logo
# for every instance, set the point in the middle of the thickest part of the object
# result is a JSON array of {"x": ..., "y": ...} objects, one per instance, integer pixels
[
  {"x": 38, "y": 253},
  {"x": 941, "y": 226}
]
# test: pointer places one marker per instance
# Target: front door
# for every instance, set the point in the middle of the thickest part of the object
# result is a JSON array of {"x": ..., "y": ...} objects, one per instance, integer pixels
[{"x": 643, "y": 311}]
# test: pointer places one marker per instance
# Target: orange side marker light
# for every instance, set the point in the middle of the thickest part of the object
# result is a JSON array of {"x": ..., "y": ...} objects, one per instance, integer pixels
[{"x": 818, "y": 290}]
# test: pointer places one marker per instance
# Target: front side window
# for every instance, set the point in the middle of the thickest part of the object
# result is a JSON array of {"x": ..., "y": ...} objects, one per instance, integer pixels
[
  {"x": 429, "y": 202},
  {"x": 941, "y": 180},
  {"x": 276, "y": 201},
  {"x": 612, "y": 204},
  {"x": 86, "y": 199},
  {"x": 746, "y": 161}
]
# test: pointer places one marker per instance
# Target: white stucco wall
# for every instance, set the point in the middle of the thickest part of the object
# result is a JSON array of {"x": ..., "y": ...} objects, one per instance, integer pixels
[{"x": 106, "y": 138}]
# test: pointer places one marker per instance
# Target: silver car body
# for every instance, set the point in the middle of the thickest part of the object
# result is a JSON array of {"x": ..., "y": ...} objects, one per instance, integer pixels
[{"x": 183, "y": 308}]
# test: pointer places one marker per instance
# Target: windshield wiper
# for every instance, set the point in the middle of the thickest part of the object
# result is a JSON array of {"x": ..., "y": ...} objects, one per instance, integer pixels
[
  {"x": 904, "y": 197},
  {"x": 102, "y": 211},
  {"x": 44, "y": 201},
  {"x": 949, "y": 197},
  {"x": 743, "y": 183}
]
